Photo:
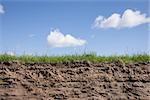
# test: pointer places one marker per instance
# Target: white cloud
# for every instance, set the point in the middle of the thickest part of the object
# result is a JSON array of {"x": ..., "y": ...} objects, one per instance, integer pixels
[
  {"x": 58, "y": 39},
  {"x": 31, "y": 35},
  {"x": 1, "y": 9},
  {"x": 10, "y": 53},
  {"x": 129, "y": 18}
]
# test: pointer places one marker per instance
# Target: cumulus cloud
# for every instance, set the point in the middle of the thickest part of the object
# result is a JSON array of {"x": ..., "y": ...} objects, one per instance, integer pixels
[
  {"x": 58, "y": 39},
  {"x": 129, "y": 18},
  {"x": 1, "y": 9}
]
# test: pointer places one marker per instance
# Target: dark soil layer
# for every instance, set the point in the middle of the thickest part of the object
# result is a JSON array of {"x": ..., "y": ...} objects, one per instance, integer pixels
[{"x": 74, "y": 81}]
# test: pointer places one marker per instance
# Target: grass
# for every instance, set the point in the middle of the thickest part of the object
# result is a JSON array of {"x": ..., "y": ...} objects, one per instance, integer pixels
[{"x": 86, "y": 57}]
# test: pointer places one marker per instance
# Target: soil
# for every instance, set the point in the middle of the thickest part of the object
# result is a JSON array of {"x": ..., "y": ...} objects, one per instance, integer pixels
[{"x": 80, "y": 80}]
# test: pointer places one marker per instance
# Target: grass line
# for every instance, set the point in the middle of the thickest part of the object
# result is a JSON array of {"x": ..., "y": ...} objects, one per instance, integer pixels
[{"x": 86, "y": 57}]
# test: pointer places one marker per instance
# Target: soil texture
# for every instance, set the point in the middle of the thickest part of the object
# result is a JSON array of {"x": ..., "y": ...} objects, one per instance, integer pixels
[{"x": 79, "y": 80}]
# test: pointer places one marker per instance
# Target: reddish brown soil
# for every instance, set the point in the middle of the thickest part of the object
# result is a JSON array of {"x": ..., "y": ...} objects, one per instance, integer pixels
[{"x": 74, "y": 81}]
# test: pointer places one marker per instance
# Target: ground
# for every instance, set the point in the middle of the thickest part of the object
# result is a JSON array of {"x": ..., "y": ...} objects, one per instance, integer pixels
[{"x": 77, "y": 80}]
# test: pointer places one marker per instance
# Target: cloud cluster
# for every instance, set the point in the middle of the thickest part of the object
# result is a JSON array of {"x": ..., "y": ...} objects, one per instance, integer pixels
[
  {"x": 1, "y": 9},
  {"x": 58, "y": 39},
  {"x": 129, "y": 18}
]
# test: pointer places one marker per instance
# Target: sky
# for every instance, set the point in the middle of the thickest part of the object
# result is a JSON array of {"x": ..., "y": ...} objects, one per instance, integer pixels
[{"x": 59, "y": 27}]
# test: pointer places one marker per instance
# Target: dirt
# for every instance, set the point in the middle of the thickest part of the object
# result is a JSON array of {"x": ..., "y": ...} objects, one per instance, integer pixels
[{"x": 80, "y": 80}]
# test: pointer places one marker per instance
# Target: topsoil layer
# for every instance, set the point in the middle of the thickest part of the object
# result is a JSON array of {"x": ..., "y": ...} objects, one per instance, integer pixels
[{"x": 81, "y": 80}]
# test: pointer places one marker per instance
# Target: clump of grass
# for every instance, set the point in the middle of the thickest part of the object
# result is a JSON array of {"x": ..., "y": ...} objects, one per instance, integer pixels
[{"x": 66, "y": 58}]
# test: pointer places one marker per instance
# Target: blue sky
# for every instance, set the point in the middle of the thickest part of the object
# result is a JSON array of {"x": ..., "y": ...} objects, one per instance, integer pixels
[{"x": 26, "y": 25}]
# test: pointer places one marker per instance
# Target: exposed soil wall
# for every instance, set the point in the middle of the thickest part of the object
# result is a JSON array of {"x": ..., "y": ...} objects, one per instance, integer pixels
[{"x": 81, "y": 80}]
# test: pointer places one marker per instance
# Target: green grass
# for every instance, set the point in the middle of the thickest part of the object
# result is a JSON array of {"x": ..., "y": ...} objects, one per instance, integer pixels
[{"x": 86, "y": 57}]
